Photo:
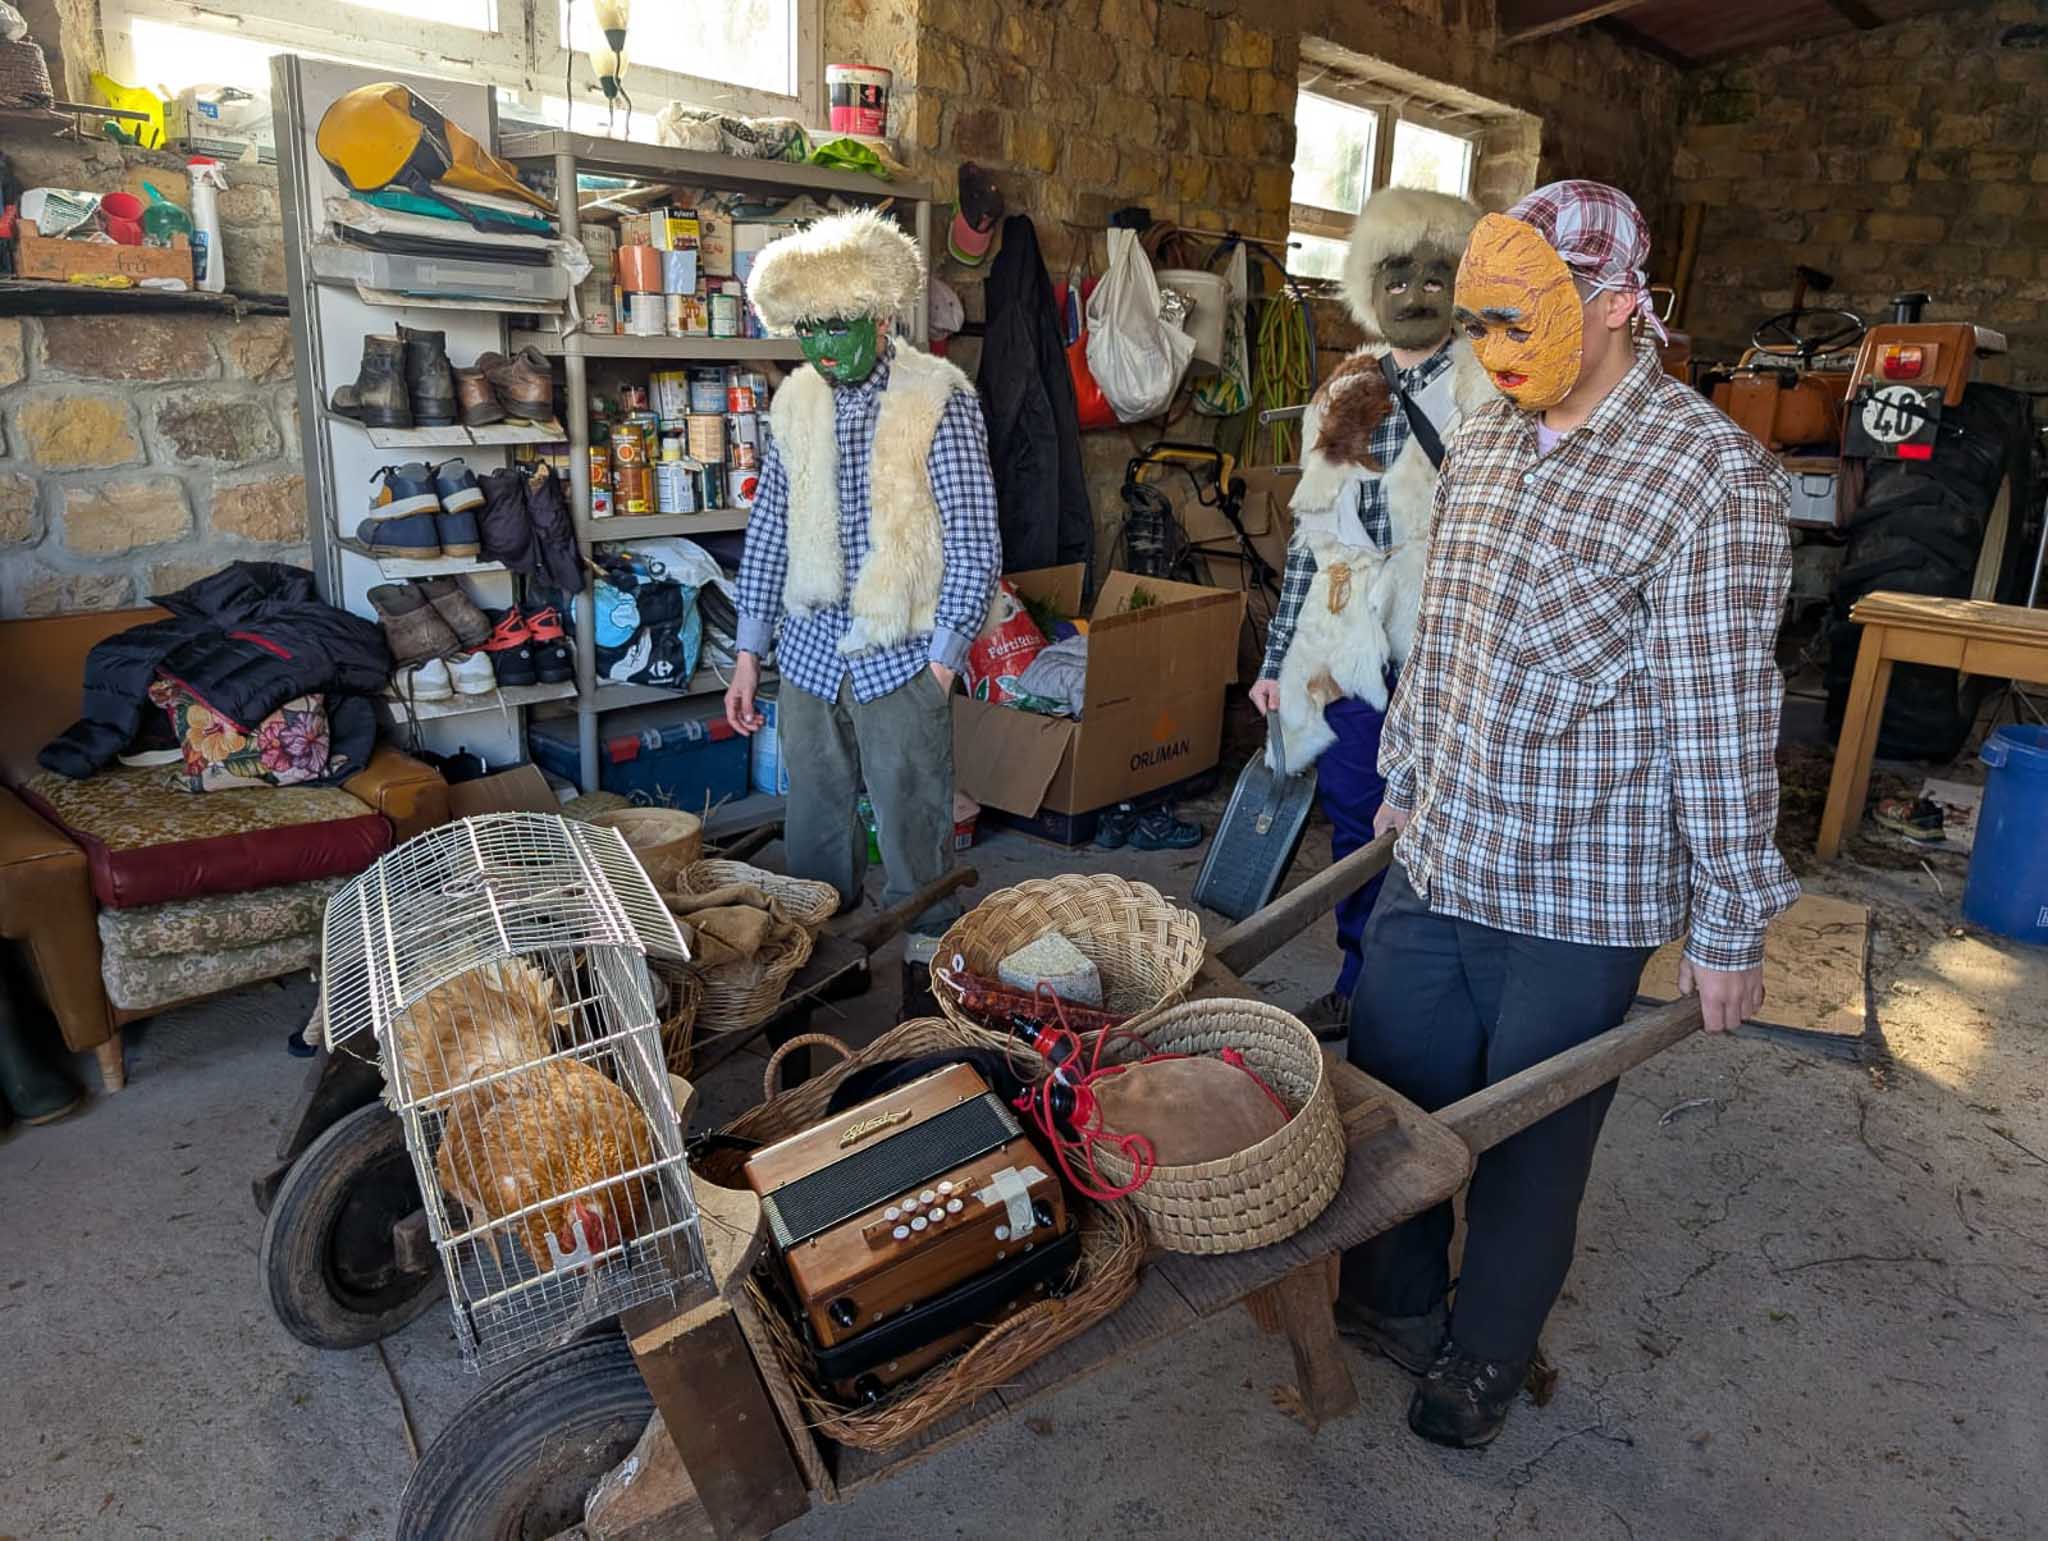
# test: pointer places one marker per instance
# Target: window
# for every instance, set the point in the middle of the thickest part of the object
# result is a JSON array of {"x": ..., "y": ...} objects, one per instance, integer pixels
[
  {"x": 756, "y": 56},
  {"x": 1344, "y": 151}
]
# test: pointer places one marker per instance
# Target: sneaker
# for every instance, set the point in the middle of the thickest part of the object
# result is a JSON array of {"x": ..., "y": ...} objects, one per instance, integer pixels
[
  {"x": 414, "y": 628},
  {"x": 510, "y": 646},
  {"x": 1113, "y": 828},
  {"x": 1158, "y": 830},
  {"x": 505, "y": 526},
  {"x": 426, "y": 681},
  {"x": 458, "y": 533},
  {"x": 470, "y": 625},
  {"x": 405, "y": 489},
  {"x": 551, "y": 655},
  {"x": 471, "y": 674},
  {"x": 1412, "y": 1342},
  {"x": 1463, "y": 1401},
  {"x": 455, "y": 484},
  {"x": 1328, "y": 1017},
  {"x": 415, "y": 535},
  {"x": 1919, "y": 819}
]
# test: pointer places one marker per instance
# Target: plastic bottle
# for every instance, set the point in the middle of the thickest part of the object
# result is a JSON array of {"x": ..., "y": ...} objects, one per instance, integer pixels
[{"x": 209, "y": 262}]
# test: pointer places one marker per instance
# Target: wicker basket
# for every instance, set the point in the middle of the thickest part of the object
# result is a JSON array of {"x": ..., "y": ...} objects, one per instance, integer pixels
[
  {"x": 807, "y": 903},
  {"x": 685, "y": 998},
  {"x": 665, "y": 840},
  {"x": 1263, "y": 1194},
  {"x": 25, "y": 75},
  {"x": 1147, "y": 949},
  {"x": 1112, "y": 1253},
  {"x": 738, "y": 996}
]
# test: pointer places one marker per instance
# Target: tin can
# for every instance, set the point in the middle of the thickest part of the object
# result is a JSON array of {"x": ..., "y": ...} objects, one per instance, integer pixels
[
  {"x": 600, "y": 466},
  {"x": 741, "y": 486},
  {"x": 706, "y": 437},
  {"x": 743, "y": 439},
  {"x": 669, "y": 395},
  {"x": 646, "y": 315},
  {"x": 858, "y": 95},
  {"x": 675, "y": 488},
  {"x": 725, "y": 315},
  {"x": 633, "y": 398},
  {"x": 671, "y": 446},
  {"x": 710, "y": 486},
  {"x": 739, "y": 395},
  {"x": 707, "y": 390},
  {"x": 634, "y": 493},
  {"x": 600, "y": 502},
  {"x": 629, "y": 447}
]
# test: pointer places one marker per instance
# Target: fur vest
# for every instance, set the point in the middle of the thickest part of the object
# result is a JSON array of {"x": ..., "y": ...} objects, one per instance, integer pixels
[
  {"x": 1363, "y": 604},
  {"x": 896, "y": 592}
]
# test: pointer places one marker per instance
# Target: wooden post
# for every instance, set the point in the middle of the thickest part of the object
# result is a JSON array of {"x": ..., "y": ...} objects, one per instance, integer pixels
[
  {"x": 1862, "y": 717},
  {"x": 1300, "y": 1304}
]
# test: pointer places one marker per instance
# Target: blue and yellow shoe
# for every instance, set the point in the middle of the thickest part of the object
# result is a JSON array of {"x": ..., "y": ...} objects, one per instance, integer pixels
[{"x": 405, "y": 489}]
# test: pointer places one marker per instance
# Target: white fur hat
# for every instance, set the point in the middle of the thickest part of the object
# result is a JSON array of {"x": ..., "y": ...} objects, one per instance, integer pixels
[
  {"x": 844, "y": 265},
  {"x": 1396, "y": 220}
]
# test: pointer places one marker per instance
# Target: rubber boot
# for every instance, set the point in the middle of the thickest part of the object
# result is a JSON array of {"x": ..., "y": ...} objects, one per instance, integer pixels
[
  {"x": 428, "y": 378},
  {"x": 379, "y": 398},
  {"x": 37, "y": 1091}
]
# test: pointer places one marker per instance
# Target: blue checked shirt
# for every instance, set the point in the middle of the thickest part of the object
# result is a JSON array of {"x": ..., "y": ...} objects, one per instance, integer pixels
[
  {"x": 808, "y": 653},
  {"x": 1388, "y": 440}
]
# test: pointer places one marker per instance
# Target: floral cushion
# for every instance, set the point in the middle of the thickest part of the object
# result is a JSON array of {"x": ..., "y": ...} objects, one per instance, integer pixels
[
  {"x": 288, "y": 747},
  {"x": 217, "y": 922},
  {"x": 144, "y": 984}
]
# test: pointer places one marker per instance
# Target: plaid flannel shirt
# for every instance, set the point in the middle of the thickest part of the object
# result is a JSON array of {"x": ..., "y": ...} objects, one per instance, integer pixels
[
  {"x": 1388, "y": 440},
  {"x": 807, "y": 653},
  {"x": 1586, "y": 729}
]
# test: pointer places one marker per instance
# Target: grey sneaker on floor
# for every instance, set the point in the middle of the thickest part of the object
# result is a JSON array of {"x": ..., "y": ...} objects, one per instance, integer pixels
[
  {"x": 1412, "y": 1342},
  {"x": 1463, "y": 1400}
]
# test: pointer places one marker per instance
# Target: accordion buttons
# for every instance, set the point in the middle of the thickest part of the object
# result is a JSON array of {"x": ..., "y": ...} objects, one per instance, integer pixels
[
  {"x": 945, "y": 1187},
  {"x": 1002, "y": 1233},
  {"x": 892, "y": 1213},
  {"x": 919, "y": 1223},
  {"x": 952, "y": 1206},
  {"x": 901, "y": 1233},
  {"x": 926, "y": 1197},
  {"x": 938, "y": 1213}
]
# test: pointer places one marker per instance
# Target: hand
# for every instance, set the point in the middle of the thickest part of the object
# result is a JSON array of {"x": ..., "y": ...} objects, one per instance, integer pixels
[
  {"x": 739, "y": 696},
  {"x": 1390, "y": 817},
  {"x": 1728, "y": 997},
  {"x": 1266, "y": 697},
  {"x": 943, "y": 675}
]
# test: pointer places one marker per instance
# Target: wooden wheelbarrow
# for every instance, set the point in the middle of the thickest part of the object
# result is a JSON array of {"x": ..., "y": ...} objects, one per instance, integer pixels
[{"x": 728, "y": 1452}]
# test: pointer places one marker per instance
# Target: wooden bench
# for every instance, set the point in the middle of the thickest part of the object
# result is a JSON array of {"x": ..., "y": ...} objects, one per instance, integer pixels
[{"x": 1969, "y": 635}]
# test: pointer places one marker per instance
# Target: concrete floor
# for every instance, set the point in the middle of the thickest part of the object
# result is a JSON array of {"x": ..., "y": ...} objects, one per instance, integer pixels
[{"x": 1811, "y": 1305}]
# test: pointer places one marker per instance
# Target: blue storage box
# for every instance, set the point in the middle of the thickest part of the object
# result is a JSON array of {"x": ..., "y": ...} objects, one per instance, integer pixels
[{"x": 681, "y": 755}]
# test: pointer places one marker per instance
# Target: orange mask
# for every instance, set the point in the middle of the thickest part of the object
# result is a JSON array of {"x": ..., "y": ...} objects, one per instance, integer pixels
[{"x": 1517, "y": 304}]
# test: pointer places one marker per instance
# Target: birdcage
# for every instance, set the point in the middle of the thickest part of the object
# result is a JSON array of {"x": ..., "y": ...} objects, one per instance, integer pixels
[{"x": 500, "y": 963}]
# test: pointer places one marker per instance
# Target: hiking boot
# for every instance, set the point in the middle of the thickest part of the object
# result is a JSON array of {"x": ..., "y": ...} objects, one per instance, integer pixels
[
  {"x": 475, "y": 400},
  {"x": 378, "y": 398},
  {"x": 1412, "y": 1342},
  {"x": 505, "y": 527},
  {"x": 1328, "y": 1017},
  {"x": 1113, "y": 828},
  {"x": 471, "y": 674},
  {"x": 425, "y": 681},
  {"x": 428, "y": 379},
  {"x": 524, "y": 382},
  {"x": 510, "y": 646},
  {"x": 413, "y": 627},
  {"x": 1463, "y": 1401},
  {"x": 552, "y": 659},
  {"x": 404, "y": 489},
  {"x": 1158, "y": 830},
  {"x": 416, "y": 537},
  {"x": 470, "y": 625},
  {"x": 455, "y": 484},
  {"x": 36, "y": 1090}
]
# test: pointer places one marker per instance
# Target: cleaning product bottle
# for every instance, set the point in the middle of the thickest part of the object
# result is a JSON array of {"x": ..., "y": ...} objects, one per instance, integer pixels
[{"x": 209, "y": 262}]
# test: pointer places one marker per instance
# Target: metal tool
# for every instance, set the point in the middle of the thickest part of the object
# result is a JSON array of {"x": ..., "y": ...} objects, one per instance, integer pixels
[{"x": 1260, "y": 831}]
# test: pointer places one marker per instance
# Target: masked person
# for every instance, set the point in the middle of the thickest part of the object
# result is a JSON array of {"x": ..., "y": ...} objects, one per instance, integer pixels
[
  {"x": 873, "y": 545},
  {"x": 1580, "y": 761},
  {"x": 1372, "y": 440}
]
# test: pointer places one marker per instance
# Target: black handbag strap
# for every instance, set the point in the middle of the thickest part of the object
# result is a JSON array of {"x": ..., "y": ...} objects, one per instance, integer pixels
[{"x": 1418, "y": 421}]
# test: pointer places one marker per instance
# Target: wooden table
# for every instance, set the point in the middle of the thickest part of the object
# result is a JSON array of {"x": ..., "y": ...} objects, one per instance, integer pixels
[{"x": 1971, "y": 636}]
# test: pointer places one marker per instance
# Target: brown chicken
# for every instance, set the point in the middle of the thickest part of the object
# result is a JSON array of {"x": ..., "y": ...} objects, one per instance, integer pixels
[
  {"x": 495, "y": 1017},
  {"x": 549, "y": 1130}
]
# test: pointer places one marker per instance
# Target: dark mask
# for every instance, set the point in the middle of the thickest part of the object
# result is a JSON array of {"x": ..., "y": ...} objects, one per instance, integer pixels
[{"x": 1411, "y": 297}]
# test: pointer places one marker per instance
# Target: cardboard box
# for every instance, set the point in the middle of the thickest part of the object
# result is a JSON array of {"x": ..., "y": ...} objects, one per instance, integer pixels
[
  {"x": 522, "y": 789},
  {"x": 1152, "y": 710},
  {"x": 1267, "y": 521}
]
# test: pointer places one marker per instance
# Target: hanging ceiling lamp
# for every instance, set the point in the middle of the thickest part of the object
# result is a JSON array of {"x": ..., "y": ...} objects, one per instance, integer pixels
[{"x": 609, "y": 62}]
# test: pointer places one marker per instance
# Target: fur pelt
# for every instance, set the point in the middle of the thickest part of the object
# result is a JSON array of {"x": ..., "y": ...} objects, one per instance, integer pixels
[
  {"x": 896, "y": 593},
  {"x": 844, "y": 265},
  {"x": 1396, "y": 220},
  {"x": 1339, "y": 649},
  {"x": 1351, "y": 405}
]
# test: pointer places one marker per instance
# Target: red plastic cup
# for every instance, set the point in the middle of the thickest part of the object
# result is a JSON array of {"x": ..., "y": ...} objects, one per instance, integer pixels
[{"x": 121, "y": 213}]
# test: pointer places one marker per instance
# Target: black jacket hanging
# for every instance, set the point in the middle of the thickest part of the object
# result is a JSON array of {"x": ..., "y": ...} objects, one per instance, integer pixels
[{"x": 1027, "y": 396}]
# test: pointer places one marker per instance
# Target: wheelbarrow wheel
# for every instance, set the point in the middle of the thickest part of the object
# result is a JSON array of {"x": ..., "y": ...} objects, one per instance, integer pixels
[
  {"x": 329, "y": 1259},
  {"x": 524, "y": 1454}
]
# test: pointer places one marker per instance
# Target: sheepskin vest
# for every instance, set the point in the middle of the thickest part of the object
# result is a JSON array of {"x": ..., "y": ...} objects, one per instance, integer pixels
[
  {"x": 1361, "y": 609},
  {"x": 895, "y": 594}
]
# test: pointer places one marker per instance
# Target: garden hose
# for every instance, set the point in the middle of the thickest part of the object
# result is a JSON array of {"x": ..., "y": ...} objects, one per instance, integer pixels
[{"x": 1283, "y": 370}]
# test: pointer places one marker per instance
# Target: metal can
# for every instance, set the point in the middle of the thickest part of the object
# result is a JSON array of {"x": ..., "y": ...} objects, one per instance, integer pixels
[
  {"x": 671, "y": 446},
  {"x": 743, "y": 440},
  {"x": 669, "y": 395},
  {"x": 711, "y": 486},
  {"x": 629, "y": 447},
  {"x": 675, "y": 488},
  {"x": 741, "y": 484},
  {"x": 725, "y": 315},
  {"x": 633, "y": 398},
  {"x": 646, "y": 315},
  {"x": 600, "y": 502},
  {"x": 739, "y": 395},
  {"x": 707, "y": 390},
  {"x": 634, "y": 493},
  {"x": 706, "y": 436},
  {"x": 600, "y": 467}
]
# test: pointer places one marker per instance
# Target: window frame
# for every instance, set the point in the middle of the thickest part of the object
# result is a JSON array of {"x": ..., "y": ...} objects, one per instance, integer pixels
[
  {"x": 521, "y": 54},
  {"x": 1390, "y": 110}
]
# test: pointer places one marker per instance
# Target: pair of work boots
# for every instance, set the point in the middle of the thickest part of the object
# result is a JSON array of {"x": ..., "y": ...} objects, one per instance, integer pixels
[
  {"x": 422, "y": 511},
  {"x": 32, "y": 1089},
  {"x": 1460, "y": 1399},
  {"x": 406, "y": 381}
]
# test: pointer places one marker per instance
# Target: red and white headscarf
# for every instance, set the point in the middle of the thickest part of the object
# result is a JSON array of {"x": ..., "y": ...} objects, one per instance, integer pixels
[{"x": 1600, "y": 233}]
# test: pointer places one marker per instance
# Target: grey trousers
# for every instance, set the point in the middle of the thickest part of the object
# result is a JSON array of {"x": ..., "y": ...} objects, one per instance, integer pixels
[
  {"x": 1443, "y": 1008},
  {"x": 902, "y": 743}
]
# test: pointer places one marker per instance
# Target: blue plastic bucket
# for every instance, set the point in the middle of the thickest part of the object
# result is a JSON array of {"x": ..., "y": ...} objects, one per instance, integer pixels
[{"x": 2007, "y": 891}]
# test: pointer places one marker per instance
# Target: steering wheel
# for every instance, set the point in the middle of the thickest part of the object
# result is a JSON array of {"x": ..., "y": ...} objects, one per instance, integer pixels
[{"x": 1806, "y": 332}]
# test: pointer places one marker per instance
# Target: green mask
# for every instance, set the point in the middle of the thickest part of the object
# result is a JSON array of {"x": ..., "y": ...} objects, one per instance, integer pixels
[{"x": 844, "y": 351}]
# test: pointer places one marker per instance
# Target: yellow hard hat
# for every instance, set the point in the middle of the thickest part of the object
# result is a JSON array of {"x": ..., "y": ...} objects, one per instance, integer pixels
[{"x": 376, "y": 135}]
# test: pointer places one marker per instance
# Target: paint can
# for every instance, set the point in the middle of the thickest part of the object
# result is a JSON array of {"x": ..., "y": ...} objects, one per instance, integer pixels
[
  {"x": 710, "y": 486},
  {"x": 743, "y": 439},
  {"x": 706, "y": 437},
  {"x": 634, "y": 490},
  {"x": 740, "y": 396},
  {"x": 646, "y": 315},
  {"x": 600, "y": 502},
  {"x": 669, "y": 395},
  {"x": 600, "y": 466},
  {"x": 741, "y": 486},
  {"x": 725, "y": 315},
  {"x": 859, "y": 98},
  {"x": 707, "y": 390},
  {"x": 675, "y": 487}
]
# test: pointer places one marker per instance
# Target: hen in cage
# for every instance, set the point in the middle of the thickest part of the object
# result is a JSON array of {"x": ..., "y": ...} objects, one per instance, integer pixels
[{"x": 500, "y": 963}]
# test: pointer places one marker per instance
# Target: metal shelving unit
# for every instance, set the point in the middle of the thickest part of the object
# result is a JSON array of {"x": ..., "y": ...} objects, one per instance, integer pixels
[{"x": 568, "y": 155}]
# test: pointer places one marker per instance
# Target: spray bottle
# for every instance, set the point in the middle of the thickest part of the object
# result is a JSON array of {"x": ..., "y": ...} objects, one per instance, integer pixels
[{"x": 209, "y": 262}]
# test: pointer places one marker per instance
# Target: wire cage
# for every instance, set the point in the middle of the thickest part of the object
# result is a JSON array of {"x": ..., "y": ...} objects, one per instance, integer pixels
[{"x": 501, "y": 964}]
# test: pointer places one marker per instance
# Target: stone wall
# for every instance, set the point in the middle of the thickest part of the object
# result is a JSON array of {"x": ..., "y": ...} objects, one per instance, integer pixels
[
  {"x": 1911, "y": 157},
  {"x": 143, "y": 451}
]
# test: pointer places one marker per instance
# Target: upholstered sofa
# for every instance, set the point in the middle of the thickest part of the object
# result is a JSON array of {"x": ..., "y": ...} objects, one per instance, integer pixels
[{"x": 128, "y": 894}]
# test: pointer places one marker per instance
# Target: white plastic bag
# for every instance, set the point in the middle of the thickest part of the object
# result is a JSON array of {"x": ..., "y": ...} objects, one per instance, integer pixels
[
  {"x": 1136, "y": 357},
  {"x": 1229, "y": 391}
]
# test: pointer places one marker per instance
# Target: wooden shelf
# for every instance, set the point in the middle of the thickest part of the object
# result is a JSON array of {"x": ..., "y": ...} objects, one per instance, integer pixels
[
  {"x": 455, "y": 436},
  {"x": 505, "y": 697},
  {"x": 655, "y": 350},
  {"x": 632, "y": 527},
  {"x": 659, "y": 163},
  {"x": 55, "y": 297}
]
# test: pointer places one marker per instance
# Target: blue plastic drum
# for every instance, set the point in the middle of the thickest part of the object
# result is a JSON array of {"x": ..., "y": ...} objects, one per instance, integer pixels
[{"x": 2007, "y": 891}]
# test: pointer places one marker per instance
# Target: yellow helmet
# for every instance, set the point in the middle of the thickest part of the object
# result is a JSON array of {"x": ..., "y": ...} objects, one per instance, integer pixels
[{"x": 383, "y": 136}]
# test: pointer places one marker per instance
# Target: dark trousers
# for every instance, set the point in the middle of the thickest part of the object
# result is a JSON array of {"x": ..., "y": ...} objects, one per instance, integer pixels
[
  {"x": 1349, "y": 787},
  {"x": 1445, "y": 1008}
]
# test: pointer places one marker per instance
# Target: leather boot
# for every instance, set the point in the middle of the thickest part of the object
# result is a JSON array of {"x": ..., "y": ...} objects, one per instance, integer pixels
[
  {"x": 479, "y": 403},
  {"x": 428, "y": 377},
  {"x": 378, "y": 398},
  {"x": 524, "y": 382},
  {"x": 36, "y": 1090}
]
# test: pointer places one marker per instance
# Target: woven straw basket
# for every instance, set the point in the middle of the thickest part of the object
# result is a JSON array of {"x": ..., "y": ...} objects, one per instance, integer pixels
[
  {"x": 807, "y": 903},
  {"x": 742, "y": 995},
  {"x": 1263, "y": 1194},
  {"x": 679, "y": 1008},
  {"x": 1147, "y": 949},
  {"x": 664, "y": 840}
]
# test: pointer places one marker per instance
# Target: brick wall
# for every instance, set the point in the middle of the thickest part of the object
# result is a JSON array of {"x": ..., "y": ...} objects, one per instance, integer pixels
[
  {"x": 1911, "y": 157},
  {"x": 144, "y": 451}
]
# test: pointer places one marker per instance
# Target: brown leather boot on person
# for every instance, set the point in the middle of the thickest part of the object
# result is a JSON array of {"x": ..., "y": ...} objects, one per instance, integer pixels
[
  {"x": 414, "y": 629},
  {"x": 476, "y": 400},
  {"x": 378, "y": 397}
]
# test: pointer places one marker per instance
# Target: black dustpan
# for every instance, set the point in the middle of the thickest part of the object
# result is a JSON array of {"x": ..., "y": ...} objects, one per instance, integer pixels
[{"x": 1260, "y": 832}]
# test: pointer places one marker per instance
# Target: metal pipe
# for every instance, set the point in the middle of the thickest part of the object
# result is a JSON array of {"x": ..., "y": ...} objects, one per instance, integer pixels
[{"x": 576, "y": 377}]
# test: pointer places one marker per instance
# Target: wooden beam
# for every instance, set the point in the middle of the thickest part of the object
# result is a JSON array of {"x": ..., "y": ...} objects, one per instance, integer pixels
[
  {"x": 1642, "y": 42},
  {"x": 1520, "y": 21},
  {"x": 1856, "y": 13}
]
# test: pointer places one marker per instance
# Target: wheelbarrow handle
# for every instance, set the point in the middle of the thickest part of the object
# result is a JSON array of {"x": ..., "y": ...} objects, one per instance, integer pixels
[
  {"x": 871, "y": 933},
  {"x": 1263, "y": 932}
]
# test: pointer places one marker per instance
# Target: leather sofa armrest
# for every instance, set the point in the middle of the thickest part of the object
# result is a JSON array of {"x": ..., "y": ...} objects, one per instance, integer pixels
[
  {"x": 47, "y": 906},
  {"x": 411, "y": 795}
]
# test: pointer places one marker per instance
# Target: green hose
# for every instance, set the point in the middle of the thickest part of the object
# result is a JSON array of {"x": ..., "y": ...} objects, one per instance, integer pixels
[{"x": 1284, "y": 371}]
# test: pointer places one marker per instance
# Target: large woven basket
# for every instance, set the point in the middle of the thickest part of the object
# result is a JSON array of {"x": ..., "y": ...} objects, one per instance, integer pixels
[
  {"x": 743, "y": 995},
  {"x": 1112, "y": 1253},
  {"x": 809, "y": 904},
  {"x": 1263, "y": 1194},
  {"x": 1147, "y": 948},
  {"x": 664, "y": 840},
  {"x": 679, "y": 998}
]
